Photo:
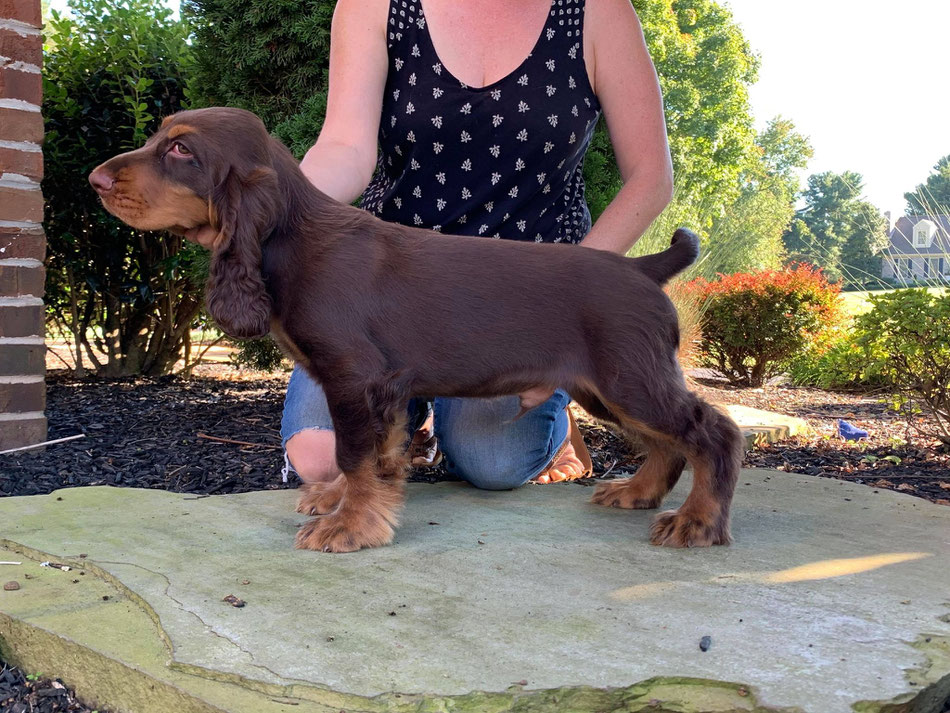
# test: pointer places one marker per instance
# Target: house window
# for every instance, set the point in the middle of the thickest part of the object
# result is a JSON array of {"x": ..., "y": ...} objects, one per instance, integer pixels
[
  {"x": 920, "y": 239},
  {"x": 903, "y": 268}
]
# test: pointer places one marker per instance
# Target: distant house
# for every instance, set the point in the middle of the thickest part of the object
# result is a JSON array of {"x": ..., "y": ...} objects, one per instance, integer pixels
[{"x": 919, "y": 249}]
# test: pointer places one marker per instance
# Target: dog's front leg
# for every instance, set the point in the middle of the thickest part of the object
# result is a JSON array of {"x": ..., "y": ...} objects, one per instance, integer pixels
[{"x": 367, "y": 512}]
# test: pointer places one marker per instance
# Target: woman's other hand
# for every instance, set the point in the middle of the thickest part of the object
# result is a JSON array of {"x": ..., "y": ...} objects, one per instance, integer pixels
[{"x": 203, "y": 235}]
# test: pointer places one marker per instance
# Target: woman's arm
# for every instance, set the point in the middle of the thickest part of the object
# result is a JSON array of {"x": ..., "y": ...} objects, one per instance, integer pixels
[
  {"x": 626, "y": 84},
  {"x": 342, "y": 161}
]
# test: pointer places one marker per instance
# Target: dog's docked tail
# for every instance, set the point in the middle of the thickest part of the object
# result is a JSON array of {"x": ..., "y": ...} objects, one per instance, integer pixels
[{"x": 683, "y": 251}]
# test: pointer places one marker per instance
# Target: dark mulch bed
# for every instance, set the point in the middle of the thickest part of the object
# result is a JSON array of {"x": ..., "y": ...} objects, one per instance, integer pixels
[
  {"x": 145, "y": 433},
  {"x": 19, "y": 694},
  {"x": 895, "y": 456},
  {"x": 160, "y": 433}
]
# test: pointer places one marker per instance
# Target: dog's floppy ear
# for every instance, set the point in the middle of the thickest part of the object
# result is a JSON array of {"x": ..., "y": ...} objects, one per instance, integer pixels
[{"x": 243, "y": 210}]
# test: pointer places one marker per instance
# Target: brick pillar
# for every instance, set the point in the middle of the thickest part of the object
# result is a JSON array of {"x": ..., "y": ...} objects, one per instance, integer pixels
[{"x": 22, "y": 241}]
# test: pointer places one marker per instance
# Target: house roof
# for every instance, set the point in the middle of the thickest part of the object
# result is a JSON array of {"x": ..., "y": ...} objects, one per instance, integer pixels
[{"x": 903, "y": 232}]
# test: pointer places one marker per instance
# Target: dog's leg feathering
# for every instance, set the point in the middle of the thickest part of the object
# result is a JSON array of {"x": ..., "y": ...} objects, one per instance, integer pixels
[
  {"x": 714, "y": 448},
  {"x": 370, "y": 432},
  {"x": 645, "y": 490}
]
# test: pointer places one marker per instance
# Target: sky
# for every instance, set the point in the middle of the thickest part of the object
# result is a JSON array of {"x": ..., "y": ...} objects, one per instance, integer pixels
[{"x": 865, "y": 80}]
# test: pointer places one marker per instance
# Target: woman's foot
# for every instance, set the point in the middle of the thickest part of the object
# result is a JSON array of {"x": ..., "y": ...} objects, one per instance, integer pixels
[
  {"x": 572, "y": 461},
  {"x": 565, "y": 466}
]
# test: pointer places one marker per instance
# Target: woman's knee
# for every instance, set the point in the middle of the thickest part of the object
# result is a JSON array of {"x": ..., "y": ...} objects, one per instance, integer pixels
[
  {"x": 488, "y": 467},
  {"x": 312, "y": 454},
  {"x": 483, "y": 446}
]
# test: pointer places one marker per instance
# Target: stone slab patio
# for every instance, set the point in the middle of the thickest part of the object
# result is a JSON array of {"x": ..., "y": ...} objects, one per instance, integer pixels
[{"x": 834, "y": 598}]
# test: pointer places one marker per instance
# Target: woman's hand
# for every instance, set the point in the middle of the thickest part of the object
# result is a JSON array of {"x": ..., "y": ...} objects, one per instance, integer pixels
[{"x": 204, "y": 235}]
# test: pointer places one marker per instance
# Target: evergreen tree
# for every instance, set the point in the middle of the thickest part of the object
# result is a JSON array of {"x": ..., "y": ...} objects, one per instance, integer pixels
[
  {"x": 837, "y": 230},
  {"x": 932, "y": 197}
]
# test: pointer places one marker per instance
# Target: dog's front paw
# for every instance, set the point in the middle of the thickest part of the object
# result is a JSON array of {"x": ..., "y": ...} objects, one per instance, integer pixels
[
  {"x": 676, "y": 528},
  {"x": 625, "y": 493},
  {"x": 344, "y": 532},
  {"x": 321, "y": 498}
]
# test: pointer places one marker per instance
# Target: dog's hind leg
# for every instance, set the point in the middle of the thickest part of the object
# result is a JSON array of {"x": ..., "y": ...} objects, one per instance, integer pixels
[
  {"x": 679, "y": 426},
  {"x": 655, "y": 478},
  {"x": 713, "y": 445},
  {"x": 367, "y": 513},
  {"x": 645, "y": 490}
]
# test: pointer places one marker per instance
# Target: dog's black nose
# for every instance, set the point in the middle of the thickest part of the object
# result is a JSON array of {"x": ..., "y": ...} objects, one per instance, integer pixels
[{"x": 102, "y": 181}]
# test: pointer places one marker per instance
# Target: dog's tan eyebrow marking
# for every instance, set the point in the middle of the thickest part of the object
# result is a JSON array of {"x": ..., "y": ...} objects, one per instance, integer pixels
[
  {"x": 180, "y": 130},
  {"x": 166, "y": 120}
]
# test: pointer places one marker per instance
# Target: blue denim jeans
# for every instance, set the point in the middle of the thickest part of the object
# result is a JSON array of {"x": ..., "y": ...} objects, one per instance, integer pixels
[{"x": 479, "y": 441}]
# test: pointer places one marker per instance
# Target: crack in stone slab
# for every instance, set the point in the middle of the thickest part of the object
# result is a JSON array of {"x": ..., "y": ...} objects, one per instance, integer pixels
[{"x": 184, "y": 608}]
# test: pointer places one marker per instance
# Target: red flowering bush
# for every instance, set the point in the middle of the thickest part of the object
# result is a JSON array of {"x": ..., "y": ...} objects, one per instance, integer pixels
[{"x": 753, "y": 322}]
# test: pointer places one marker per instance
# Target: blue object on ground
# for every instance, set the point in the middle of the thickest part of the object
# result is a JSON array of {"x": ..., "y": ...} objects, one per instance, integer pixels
[{"x": 849, "y": 432}]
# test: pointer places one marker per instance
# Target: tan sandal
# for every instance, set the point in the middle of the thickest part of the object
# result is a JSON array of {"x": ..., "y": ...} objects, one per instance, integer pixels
[{"x": 424, "y": 446}]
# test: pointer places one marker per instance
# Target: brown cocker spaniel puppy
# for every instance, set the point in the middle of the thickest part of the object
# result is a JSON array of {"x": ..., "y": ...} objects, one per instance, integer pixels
[{"x": 342, "y": 292}]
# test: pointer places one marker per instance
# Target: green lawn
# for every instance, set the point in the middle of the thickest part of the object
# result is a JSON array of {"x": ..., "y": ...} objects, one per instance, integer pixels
[{"x": 858, "y": 303}]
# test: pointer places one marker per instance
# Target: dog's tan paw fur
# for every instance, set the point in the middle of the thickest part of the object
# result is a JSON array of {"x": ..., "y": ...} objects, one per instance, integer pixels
[
  {"x": 676, "y": 528},
  {"x": 625, "y": 494},
  {"x": 320, "y": 498},
  {"x": 344, "y": 532}
]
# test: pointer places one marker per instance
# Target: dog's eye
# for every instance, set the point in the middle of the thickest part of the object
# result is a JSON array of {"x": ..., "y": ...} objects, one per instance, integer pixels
[{"x": 178, "y": 149}]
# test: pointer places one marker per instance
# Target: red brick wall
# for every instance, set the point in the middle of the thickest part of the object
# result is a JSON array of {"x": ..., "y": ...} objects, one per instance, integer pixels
[{"x": 22, "y": 242}]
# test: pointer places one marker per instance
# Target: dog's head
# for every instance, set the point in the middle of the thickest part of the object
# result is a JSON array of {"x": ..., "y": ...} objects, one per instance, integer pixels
[{"x": 214, "y": 167}]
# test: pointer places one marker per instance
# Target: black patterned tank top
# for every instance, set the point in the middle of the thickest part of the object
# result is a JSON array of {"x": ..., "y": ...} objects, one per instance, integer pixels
[{"x": 504, "y": 160}]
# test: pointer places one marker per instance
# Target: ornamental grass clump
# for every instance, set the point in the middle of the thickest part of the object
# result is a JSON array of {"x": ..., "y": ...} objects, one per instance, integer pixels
[{"x": 753, "y": 322}]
